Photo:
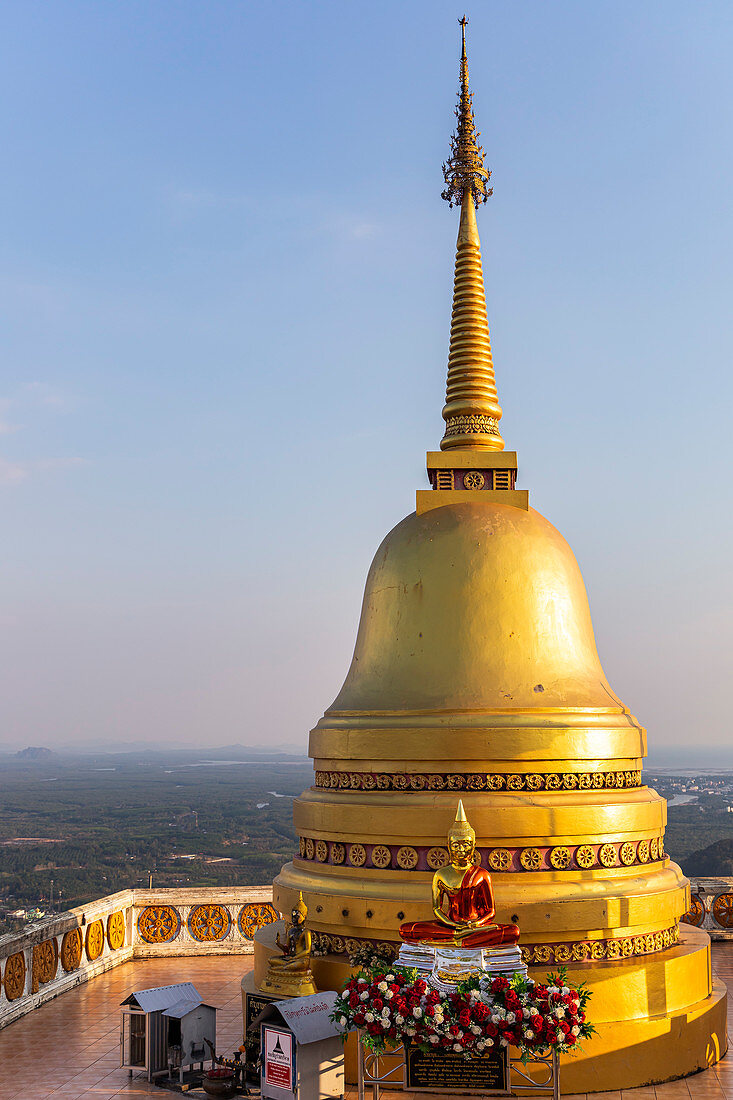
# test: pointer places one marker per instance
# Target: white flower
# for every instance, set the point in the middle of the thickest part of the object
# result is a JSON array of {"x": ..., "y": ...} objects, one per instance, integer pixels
[
  {"x": 475, "y": 1030},
  {"x": 559, "y": 1012},
  {"x": 457, "y": 1046},
  {"x": 399, "y": 1019},
  {"x": 382, "y": 986},
  {"x": 504, "y": 1042},
  {"x": 417, "y": 1013},
  {"x": 369, "y": 1017},
  {"x": 433, "y": 1039},
  {"x": 345, "y": 995},
  {"x": 389, "y": 977},
  {"x": 410, "y": 1031},
  {"x": 510, "y": 1017},
  {"x": 342, "y": 1021},
  {"x": 488, "y": 1042},
  {"x": 363, "y": 996},
  {"x": 362, "y": 981},
  {"x": 575, "y": 1030},
  {"x": 384, "y": 1023},
  {"x": 565, "y": 990},
  {"x": 388, "y": 995},
  {"x": 529, "y": 1034}
]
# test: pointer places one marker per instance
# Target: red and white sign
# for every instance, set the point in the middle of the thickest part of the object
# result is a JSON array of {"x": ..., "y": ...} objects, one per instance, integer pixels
[{"x": 279, "y": 1058}]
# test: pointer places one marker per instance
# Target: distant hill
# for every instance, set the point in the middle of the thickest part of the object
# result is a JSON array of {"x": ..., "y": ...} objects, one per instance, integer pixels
[
  {"x": 35, "y": 752},
  {"x": 716, "y": 859}
]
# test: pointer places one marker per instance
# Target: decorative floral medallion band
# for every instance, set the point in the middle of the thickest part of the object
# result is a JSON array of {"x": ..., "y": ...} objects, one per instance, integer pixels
[
  {"x": 475, "y": 781},
  {"x": 559, "y": 857},
  {"x": 205, "y": 923},
  {"x": 534, "y": 954},
  {"x": 472, "y": 425}
]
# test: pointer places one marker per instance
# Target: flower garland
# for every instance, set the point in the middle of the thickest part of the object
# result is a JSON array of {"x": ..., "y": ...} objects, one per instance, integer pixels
[{"x": 391, "y": 1005}]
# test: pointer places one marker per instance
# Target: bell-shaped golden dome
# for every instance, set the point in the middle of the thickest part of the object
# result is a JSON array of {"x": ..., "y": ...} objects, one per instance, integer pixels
[{"x": 474, "y": 607}]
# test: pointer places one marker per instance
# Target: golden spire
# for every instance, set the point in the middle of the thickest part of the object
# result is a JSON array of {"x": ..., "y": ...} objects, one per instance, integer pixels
[{"x": 472, "y": 411}]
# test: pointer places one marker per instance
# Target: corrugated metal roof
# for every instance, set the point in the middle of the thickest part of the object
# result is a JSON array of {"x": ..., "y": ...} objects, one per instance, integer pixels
[
  {"x": 163, "y": 996},
  {"x": 181, "y": 1008}
]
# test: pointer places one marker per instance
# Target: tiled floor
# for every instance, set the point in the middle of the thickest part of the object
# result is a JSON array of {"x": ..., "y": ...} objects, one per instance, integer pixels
[{"x": 69, "y": 1048}]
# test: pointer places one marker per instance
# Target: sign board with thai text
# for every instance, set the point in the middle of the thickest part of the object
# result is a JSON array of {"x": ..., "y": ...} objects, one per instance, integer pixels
[
  {"x": 309, "y": 1017},
  {"x": 449, "y": 1071},
  {"x": 278, "y": 1058}
]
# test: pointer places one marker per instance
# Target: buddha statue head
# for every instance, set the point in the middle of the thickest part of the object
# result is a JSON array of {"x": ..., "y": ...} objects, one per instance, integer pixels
[
  {"x": 461, "y": 840},
  {"x": 300, "y": 911}
]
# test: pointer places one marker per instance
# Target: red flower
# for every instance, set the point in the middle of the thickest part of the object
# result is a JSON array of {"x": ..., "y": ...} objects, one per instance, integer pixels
[
  {"x": 377, "y": 1004},
  {"x": 465, "y": 1018},
  {"x": 498, "y": 984}
]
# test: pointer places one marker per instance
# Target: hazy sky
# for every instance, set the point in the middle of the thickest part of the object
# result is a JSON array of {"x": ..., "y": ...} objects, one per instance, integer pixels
[{"x": 226, "y": 275}]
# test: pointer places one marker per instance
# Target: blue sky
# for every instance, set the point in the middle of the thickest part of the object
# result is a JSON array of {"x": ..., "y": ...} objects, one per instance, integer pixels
[{"x": 226, "y": 275}]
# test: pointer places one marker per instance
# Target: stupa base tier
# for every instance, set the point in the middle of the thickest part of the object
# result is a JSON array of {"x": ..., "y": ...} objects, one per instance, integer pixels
[
  {"x": 561, "y": 909},
  {"x": 658, "y": 1018}
]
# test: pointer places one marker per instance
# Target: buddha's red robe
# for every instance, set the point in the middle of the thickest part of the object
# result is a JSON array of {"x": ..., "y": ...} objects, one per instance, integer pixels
[{"x": 472, "y": 901}]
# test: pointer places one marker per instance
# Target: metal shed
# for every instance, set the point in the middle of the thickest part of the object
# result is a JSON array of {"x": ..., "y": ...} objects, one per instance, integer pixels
[{"x": 163, "y": 1029}]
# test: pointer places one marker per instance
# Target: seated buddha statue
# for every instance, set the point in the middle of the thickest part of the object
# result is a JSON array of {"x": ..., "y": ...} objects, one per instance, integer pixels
[
  {"x": 463, "y": 901},
  {"x": 290, "y": 974}
]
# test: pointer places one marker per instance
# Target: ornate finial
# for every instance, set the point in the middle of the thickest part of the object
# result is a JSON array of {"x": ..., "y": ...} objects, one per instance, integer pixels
[
  {"x": 465, "y": 169},
  {"x": 472, "y": 411}
]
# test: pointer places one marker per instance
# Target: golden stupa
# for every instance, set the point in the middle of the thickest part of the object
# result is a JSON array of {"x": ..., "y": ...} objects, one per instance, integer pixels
[{"x": 475, "y": 674}]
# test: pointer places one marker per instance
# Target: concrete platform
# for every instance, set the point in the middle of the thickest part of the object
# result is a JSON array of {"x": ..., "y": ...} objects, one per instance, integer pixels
[{"x": 69, "y": 1048}]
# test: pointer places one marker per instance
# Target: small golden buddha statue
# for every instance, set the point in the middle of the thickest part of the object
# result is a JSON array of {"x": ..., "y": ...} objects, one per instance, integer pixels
[
  {"x": 290, "y": 974},
  {"x": 463, "y": 900}
]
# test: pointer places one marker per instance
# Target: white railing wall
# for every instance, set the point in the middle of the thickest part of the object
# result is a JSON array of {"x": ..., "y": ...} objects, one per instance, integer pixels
[
  {"x": 712, "y": 906},
  {"x": 55, "y": 954}
]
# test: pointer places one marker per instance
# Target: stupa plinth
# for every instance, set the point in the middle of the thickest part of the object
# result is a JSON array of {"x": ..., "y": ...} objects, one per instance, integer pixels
[{"x": 476, "y": 675}]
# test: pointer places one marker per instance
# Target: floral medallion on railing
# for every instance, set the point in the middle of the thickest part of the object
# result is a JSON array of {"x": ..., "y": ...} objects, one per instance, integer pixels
[
  {"x": 254, "y": 916},
  {"x": 95, "y": 940},
  {"x": 116, "y": 930},
  {"x": 44, "y": 963},
  {"x": 14, "y": 976},
  {"x": 696, "y": 913},
  {"x": 159, "y": 923},
  {"x": 208, "y": 923},
  {"x": 71, "y": 947},
  {"x": 722, "y": 910}
]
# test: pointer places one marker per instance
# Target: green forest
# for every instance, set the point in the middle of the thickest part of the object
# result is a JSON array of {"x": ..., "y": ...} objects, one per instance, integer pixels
[{"x": 73, "y": 828}]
